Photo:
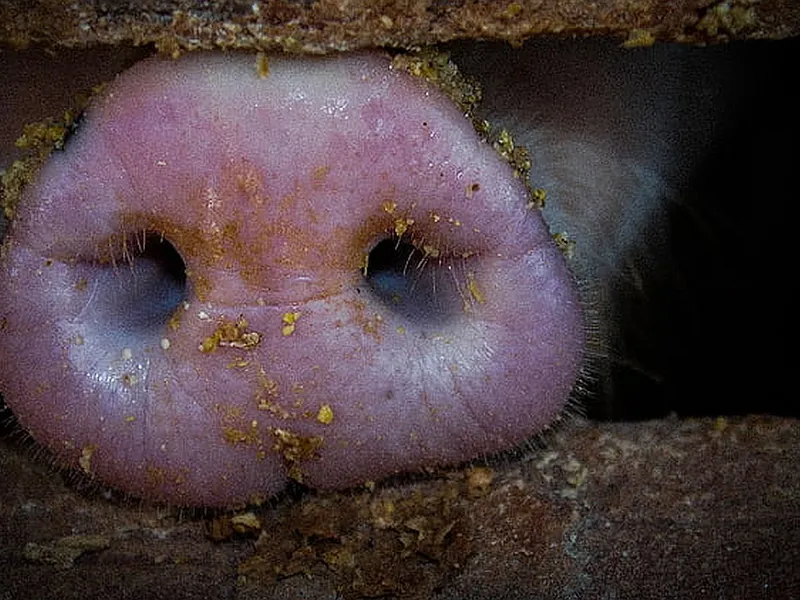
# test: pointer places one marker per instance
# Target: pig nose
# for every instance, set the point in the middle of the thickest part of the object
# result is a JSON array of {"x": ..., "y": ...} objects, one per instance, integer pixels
[{"x": 319, "y": 271}]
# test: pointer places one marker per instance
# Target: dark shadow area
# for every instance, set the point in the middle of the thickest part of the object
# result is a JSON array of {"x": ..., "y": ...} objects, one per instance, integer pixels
[
  {"x": 713, "y": 319},
  {"x": 672, "y": 169},
  {"x": 411, "y": 284}
]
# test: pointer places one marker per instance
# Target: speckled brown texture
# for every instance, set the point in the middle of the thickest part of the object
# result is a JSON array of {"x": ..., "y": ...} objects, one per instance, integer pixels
[
  {"x": 325, "y": 25},
  {"x": 663, "y": 509}
]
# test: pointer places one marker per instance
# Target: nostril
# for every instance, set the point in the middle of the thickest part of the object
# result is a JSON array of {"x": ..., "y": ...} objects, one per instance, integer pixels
[
  {"x": 413, "y": 282},
  {"x": 118, "y": 311},
  {"x": 138, "y": 295}
]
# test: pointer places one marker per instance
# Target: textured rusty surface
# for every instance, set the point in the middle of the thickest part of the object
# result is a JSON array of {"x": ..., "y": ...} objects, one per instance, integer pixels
[
  {"x": 326, "y": 25},
  {"x": 684, "y": 509}
]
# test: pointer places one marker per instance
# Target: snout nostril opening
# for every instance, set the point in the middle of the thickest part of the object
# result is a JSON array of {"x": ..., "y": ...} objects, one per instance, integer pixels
[
  {"x": 139, "y": 295},
  {"x": 163, "y": 256},
  {"x": 411, "y": 283}
]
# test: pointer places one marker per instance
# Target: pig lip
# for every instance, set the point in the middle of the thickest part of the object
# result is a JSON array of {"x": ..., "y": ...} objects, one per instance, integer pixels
[{"x": 189, "y": 313}]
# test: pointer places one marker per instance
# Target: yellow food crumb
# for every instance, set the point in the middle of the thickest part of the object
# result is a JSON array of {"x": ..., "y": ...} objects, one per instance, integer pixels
[
  {"x": 474, "y": 290},
  {"x": 262, "y": 65},
  {"x": 565, "y": 244},
  {"x": 479, "y": 480},
  {"x": 248, "y": 436},
  {"x": 401, "y": 226},
  {"x": 174, "y": 322},
  {"x": 513, "y": 10},
  {"x": 436, "y": 67},
  {"x": 289, "y": 322},
  {"x": 246, "y": 522},
  {"x": 86, "y": 458},
  {"x": 430, "y": 250},
  {"x": 537, "y": 199},
  {"x": 325, "y": 414},
  {"x": 639, "y": 38},
  {"x": 295, "y": 448},
  {"x": 231, "y": 335}
]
